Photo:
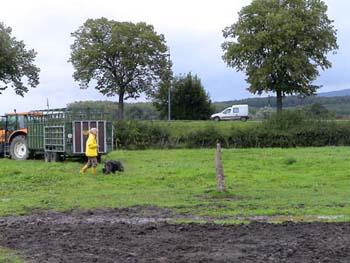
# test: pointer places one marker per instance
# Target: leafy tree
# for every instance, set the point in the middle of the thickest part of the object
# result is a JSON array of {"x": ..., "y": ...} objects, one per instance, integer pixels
[
  {"x": 134, "y": 111},
  {"x": 317, "y": 110},
  {"x": 122, "y": 58},
  {"x": 263, "y": 113},
  {"x": 189, "y": 101},
  {"x": 160, "y": 99},
  {"x": 108, "y": 108},
  {"x": 140, "y": 111},
  {"x": 16, "y": 63},
  {"x": 280, "y": 44}
]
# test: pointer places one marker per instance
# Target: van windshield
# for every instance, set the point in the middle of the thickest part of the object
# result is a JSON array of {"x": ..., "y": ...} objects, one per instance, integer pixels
[{"x": 227, "y": 111}]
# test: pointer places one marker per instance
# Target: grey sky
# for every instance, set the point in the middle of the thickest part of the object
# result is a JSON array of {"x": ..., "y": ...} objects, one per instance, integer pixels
[{"x": 193, "y": 30}]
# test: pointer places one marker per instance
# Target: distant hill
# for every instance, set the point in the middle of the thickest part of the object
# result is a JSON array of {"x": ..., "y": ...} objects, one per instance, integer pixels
[
  {"x": 337, "y": 93},
  {"x": 335, "y": 101}
]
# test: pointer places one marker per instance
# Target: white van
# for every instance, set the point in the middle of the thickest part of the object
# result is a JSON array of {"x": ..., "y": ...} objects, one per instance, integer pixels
[{"x": 235, "y": 112}]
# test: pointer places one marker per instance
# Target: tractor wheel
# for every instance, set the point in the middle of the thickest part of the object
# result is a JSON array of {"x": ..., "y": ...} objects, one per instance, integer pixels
[{"x": 19, "y": 148}]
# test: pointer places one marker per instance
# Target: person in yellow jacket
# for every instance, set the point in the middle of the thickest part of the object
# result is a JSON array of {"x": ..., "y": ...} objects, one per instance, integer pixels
[{"x": 91, "y": 152}]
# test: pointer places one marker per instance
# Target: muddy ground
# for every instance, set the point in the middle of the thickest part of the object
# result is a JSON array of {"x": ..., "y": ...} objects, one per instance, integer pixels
[{"x": 144, "y": 235}]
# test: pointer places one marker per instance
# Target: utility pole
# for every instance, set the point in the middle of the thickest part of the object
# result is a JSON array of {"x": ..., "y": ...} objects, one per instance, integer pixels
[
  {"x": 169, "y": 103},
  {"x": 169, "y": 88}
]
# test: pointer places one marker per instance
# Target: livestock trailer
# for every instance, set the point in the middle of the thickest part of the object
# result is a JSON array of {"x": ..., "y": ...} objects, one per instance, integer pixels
[{"x": 57, "y": 133}]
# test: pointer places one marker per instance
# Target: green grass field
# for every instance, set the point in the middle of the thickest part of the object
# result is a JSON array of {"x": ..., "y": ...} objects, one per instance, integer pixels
[
  {"x": 7, "y": 256},
  {"x": 179, "y": 128},
  {"x": 301, "y": 182}
]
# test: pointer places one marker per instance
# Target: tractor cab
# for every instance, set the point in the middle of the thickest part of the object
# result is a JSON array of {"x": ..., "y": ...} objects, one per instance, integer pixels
[
  {"x": 15, "y": 124},
  {"x": 16, "y": 121}
]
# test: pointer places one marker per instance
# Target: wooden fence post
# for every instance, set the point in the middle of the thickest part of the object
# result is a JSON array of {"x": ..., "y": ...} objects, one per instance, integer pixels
[{"x": 220, "y": 178}]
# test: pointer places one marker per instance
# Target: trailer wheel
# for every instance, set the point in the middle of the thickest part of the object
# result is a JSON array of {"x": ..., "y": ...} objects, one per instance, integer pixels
[
  {"x": 19, "y": 148},
  {"x": 55, "y": 157},
  {"x": 51, "y": 157},
  {"x": 47, "y": 157}
]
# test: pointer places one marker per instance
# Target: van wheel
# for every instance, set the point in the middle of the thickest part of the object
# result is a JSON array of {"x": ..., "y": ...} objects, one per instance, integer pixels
[
  {"x": 19, "y": 148},
  {"x": 244, "y": 119},
  {"x": 216, "y": 119}
]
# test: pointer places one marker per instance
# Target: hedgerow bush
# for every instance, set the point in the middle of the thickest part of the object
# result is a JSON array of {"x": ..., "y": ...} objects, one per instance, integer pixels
[
  {"x": 140, "y": 135},
  {"x": 291, "y": 129},
  {"x": 206, "y": 137}
]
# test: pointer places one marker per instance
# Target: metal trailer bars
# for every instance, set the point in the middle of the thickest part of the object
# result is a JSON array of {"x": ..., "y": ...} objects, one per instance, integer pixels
[
  {"x": 70, "y": 114},
  {"x": 64, "y": 132}
]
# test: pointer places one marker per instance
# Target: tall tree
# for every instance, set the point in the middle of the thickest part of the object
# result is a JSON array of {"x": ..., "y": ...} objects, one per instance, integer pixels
[
  {"x": 160, "y": 99},
  {"x": 281, "y": 44},
  {"x": 122, "y": 58},
  {"x": 189, "y": 100},
  {"x": 16, "y": 64}
]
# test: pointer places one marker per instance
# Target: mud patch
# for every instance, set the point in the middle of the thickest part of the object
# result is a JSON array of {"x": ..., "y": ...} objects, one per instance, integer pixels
[{"x": 130, "y": 235}]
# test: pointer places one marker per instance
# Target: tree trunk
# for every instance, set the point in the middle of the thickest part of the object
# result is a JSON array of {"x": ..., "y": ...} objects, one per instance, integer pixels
[
  {"x": 220, "y": 178},
  {"x": 121, "y": 107},
  {"x": 279, "y": 101}
]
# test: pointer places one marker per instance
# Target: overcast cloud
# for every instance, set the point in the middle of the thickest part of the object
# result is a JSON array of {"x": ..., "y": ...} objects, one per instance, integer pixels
[{"x": 192, "y": 29}]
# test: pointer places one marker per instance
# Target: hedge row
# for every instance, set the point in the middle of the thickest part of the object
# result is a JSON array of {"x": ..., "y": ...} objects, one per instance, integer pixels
[{"x": 142, "y": 135}]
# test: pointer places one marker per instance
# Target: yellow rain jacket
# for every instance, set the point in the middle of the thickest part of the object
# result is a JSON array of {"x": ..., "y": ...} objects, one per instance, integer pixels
[{"x": 91, "y": 146}]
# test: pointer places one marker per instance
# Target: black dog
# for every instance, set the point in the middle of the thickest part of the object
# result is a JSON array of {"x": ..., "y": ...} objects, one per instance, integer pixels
[{"x": 113, "y": 166}]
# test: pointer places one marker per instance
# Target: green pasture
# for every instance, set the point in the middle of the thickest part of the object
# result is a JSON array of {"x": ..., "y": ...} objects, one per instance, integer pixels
[
  {"x": 301, "y": 182},
  {"x": 179, "y": 128},
  {"x": 8, "y": 256}
]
